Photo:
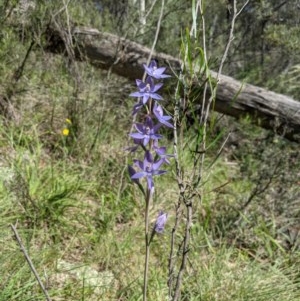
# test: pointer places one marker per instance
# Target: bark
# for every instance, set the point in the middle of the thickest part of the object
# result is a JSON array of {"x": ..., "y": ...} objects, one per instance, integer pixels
[{"x": 124, "y": 57}]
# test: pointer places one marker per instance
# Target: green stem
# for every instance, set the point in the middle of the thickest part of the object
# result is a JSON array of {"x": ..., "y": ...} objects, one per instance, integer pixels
[{"x": 147, "y": 244}]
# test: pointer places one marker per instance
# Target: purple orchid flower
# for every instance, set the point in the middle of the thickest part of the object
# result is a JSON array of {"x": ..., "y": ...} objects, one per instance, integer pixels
[
  {"x": 137, "y": 142},
  {"x": 155, "y": 72},
  {"x": 137, "y": 107},
  {"x": 147, "y": 90},
  {"x": 161, "y": 152},
  {"x": 148, "y": 168},
  {"x": 159, "y": 114},
  {"x": 146, "y": 131},
  {"x": 160, "y": 222},
  {"x": 131, "y": 172}
]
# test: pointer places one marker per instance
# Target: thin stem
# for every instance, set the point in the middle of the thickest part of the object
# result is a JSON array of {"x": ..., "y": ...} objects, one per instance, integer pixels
[
  {"x": 156, "y": 35},
  {"x": 204, "y": 115},
  {"x": 180, "y": 184},
  {"x": 147, "y": 244},
  {"x": 142, "y": 15},
  {"x": 186, "y": 243},
  {"x": 172, "y": 251},
  {"x": 37, "y": 277}
]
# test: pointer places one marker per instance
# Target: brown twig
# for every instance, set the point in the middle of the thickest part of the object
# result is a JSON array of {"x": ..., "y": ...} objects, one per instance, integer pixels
[
  {"x": 181, "y": 190},
  {"x": 19, "y": 72},
  {"x": 30, "y": 262}
]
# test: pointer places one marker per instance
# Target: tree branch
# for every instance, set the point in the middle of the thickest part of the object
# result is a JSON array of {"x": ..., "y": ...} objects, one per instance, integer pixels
[{"x": 267, "y": 109}]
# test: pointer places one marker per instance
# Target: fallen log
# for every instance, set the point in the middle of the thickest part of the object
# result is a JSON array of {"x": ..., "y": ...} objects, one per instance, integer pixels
[{"x": 124, "y": 57}]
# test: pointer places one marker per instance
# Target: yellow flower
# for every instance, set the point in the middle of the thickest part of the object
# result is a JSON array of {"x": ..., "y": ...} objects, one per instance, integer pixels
[
  {"x": 65, "y": 132},
  {"x": 68, "y": 121}
]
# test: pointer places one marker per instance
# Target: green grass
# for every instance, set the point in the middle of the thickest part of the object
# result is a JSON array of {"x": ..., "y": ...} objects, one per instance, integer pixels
[{"x": 81, "y": 219}]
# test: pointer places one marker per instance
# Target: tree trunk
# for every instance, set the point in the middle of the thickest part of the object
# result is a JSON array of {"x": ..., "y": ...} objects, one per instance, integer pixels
[{"x": 267, "y": 109}]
